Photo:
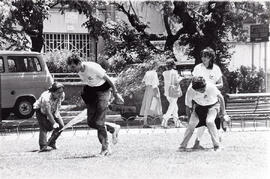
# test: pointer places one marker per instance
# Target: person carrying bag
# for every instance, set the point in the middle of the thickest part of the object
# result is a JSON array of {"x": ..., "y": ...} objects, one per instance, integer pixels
[
  {"x": 172, "y": 91},
  {"x": 175, "y": 90}
]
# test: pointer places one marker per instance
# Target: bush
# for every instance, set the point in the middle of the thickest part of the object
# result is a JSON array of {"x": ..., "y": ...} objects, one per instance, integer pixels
[
  {"x": 56, "y": 60},
  {"x": 130, "y": 79},
  {"x": 245, "y": 80}
]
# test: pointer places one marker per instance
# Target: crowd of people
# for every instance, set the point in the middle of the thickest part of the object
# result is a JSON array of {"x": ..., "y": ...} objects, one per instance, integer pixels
[{"x": 205, "y": 106}]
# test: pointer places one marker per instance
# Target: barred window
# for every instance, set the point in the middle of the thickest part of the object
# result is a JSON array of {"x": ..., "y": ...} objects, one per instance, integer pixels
[{"x": 80, "y": 43}]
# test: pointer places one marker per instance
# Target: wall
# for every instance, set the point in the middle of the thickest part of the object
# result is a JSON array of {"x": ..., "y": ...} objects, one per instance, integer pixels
[
  {"x": 147, "y": 14},
  {"x": 70, "y": 22},
  {"x": 243, "y": 56}
]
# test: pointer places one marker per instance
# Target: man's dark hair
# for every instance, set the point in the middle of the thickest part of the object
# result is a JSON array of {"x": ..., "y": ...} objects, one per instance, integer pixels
[
  {"x": 74, "y": 59},
  {"x": 198, "y": 82}
]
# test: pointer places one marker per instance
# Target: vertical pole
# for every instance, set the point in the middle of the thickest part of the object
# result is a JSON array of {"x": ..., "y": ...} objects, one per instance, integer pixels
[
  {"x": 265, "y": 66},
  {"x": 252, "y": 55},
  {"x": 260, "y": 56},
  {"x": 96, "y": 50}
]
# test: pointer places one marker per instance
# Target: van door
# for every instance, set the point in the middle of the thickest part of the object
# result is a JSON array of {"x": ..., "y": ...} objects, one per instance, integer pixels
[
  {"x": 6, "y": 98},
  {"x": 2, "y": 70}
]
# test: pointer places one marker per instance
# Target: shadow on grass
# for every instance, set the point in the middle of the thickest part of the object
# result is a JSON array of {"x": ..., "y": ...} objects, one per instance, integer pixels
[
  {"x": 46, "y": 150},
  {"x": 198, "y": 150},
  {"x": 83, "y": 157}
]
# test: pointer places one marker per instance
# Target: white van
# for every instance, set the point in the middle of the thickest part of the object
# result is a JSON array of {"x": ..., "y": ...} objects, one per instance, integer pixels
[{"x": 24, "y": 76}]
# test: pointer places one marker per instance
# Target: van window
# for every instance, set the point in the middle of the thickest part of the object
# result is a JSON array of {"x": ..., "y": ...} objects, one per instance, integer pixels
[
  {"x": 23, "y": 64},
  {"x": 2, "y": 69}
]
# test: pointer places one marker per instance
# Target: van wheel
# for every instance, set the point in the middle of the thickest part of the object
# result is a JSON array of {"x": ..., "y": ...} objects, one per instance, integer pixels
[{"x": 24, "y": 108}]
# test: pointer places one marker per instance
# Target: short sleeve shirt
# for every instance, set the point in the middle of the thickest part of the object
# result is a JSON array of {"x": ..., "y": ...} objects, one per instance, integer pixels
[
  {"x": 171, "y": 77},
  {"x": 209, "y": 97},
  {"x": 93, "y": 74},
  {"x": 46, "y": 101},
  {"x": 151, "y": 78},
  {"x": 210, "y": 75}
]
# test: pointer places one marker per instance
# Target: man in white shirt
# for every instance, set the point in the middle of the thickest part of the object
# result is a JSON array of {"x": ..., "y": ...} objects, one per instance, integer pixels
[
  {"x": 202, "y": 98},
  {"x": 96, "y": 95}
]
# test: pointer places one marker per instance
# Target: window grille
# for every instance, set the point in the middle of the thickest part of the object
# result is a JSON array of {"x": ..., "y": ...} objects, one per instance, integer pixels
[{"x": 82, "y": 44}]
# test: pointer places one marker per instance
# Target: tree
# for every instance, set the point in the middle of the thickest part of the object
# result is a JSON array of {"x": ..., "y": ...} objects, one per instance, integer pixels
[
  {"x": 25, "y": 20},
  {"x": 201, "y": 24}
]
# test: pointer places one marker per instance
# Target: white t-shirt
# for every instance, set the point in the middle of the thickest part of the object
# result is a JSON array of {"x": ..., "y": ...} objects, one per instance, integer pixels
[
  {"x": 93, "y": 74},
  {"x": 209, "y": 97},
  {"x": 210, "y": 75}
]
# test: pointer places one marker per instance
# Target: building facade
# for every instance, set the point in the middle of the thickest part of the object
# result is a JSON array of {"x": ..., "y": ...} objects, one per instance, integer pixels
[{"x": 65, "y": 32}]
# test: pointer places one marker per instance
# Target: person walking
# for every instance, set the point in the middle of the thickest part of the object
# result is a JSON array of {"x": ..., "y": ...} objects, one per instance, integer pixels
[
  {"x": 212, "y": 74},
  {"x": 171, "y": 79},
  {"x": 151, "y": 103},
  {"x": 203, "y": 103},
  {"x": 96, "y": 95},
  {"x": 48, "y": 115}
]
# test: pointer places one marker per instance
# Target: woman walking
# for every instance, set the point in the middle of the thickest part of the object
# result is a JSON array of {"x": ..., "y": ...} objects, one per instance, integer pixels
[
  {"x": 171, "y": 80},
  {"x": 151, "y": 104}
]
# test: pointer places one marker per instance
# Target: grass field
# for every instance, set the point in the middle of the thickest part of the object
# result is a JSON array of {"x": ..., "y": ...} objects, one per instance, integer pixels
[{"x": 139, "y": 154}]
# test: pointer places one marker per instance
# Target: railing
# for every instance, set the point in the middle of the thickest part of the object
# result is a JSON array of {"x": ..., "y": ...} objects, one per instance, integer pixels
[{"x": 72, "y": 77}]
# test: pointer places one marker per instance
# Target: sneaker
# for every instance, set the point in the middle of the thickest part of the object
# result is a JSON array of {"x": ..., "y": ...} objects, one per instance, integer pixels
[
  {"x": 105, "y": 152},
  {"x": 216, "y": 148},
  {"x": 197, "y": 145},
  {"x": 115, "y": 134},
  {"x": 164, "y": 127},
  {"x": 179, "y": 124},
  {"x": 146, "y": 126},
  {"x": 182, "y": 149},
  {"x": 53, "y": 146},
  {"x": 43, "y": 149}
]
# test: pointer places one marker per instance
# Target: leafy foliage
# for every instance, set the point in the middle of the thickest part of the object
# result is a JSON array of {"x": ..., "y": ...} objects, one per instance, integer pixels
[
  {"x": 24, "y": 21},
  {"x": 56, "y": 60},
  {"x": 245, "y": 80},
  {"x": 130, "y": 79}
]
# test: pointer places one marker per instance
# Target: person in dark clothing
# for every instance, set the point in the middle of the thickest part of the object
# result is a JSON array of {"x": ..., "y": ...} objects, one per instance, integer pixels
[{"x": 96, "y": 95}]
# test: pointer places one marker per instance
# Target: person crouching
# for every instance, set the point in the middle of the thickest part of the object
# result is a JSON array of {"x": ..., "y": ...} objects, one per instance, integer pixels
[
  {"x": 203, "y": 98},
  {"x": 48, "y": 115}
]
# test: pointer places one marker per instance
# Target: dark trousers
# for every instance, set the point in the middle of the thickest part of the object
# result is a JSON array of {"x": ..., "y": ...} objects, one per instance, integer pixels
[
  {"x": 96, "y": 111},
  {"x": 202, "y": 114},
  {"x": 45, "y": 126}
]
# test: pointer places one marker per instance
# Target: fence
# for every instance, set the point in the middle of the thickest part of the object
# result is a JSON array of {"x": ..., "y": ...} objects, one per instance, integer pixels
[
  {"x": 135, "y": 122},
  {"x": 73, "y": 77}
]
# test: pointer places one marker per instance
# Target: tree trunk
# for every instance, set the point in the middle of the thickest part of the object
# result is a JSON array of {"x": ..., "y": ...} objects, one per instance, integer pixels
[
  {"x": 36, "y": 38},
  {"x": 37, "y": 43}
]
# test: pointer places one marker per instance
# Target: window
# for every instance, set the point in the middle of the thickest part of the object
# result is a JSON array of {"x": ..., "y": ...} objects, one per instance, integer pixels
[
  {"x": 23, "y": 64},
  {"x": 2, "y": 69},
  {"x": 81, "y": 43}
]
